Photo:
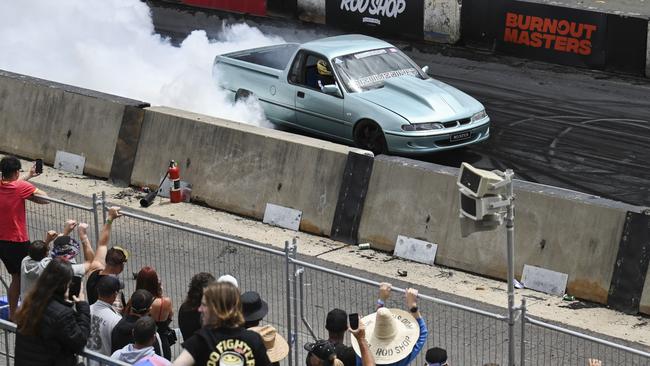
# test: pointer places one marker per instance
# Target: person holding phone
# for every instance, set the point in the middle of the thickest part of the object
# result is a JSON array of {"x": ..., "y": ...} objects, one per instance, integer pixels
[
  {"x": 14, "y": 238},
  {"x": 336, "y": 324}
]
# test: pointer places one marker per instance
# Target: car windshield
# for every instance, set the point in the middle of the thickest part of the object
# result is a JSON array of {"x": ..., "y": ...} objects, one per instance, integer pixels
[{"x": 369, "y": 69}]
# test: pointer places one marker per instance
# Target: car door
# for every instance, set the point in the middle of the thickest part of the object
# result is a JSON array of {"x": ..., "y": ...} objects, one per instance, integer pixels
[{"x": 317, "y": 111}]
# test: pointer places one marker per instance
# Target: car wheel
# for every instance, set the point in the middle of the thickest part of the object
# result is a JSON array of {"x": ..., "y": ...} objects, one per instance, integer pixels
[{"x": 369, "y": 136}]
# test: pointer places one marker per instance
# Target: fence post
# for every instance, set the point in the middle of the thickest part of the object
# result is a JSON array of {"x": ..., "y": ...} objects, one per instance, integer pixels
[
  {"x": 288, "y": 250},
  {"x": 522, "y": 351},
  {"x": 7, "y": 346},
  {"x": 295, "y": 302},
  {"x": 95, "y": 219},
  {"x": 103, "y": 206}
]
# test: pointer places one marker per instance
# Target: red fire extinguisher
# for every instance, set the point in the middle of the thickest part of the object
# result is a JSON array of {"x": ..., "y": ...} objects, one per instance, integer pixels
[{"x": 175, "y": 176}]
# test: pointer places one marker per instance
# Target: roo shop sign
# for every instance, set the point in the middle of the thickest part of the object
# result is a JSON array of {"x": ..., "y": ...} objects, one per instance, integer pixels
[
  {"x": 549, "y": 33},
  {"x": 377, "y": 17}
]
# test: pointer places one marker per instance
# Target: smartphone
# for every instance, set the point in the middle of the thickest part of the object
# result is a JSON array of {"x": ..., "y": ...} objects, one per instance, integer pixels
[
  {"x": 39, "y": 166},
  {"x": 354, "y": 320}
]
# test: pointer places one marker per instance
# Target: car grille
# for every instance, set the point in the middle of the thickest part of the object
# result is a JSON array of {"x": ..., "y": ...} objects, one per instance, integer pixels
[{"x": 460, "y": 122}]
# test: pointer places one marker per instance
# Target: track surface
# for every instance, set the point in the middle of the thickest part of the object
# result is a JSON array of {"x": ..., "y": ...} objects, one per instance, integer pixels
[{"x": 555, "y": 125}]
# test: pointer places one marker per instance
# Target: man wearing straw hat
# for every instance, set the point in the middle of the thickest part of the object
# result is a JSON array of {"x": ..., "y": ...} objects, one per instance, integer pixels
[{"x": 395, "y": 336}]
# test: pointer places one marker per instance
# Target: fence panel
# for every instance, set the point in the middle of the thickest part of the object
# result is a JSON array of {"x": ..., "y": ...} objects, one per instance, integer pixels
[
  {"x": 470, "y": 336},
  {"x": 177, "y": 252},
  {"x": 546, "y": 344}
]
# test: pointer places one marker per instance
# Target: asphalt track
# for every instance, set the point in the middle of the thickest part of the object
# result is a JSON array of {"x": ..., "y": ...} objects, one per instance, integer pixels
[{"x": 555, "y": 125}]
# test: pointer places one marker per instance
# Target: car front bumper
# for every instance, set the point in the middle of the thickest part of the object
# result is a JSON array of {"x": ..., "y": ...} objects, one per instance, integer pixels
[{"x": 405, "y": 143}]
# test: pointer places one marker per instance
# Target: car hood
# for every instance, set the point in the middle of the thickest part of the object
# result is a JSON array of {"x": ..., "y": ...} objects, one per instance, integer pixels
[{"x": 420, "y": 100}]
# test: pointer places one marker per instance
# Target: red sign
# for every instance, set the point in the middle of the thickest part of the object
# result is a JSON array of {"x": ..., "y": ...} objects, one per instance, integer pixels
[{"x": 255, "y": 7}]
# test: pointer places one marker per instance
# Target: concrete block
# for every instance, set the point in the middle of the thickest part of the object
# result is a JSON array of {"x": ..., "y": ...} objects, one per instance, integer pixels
[
  {"x": 644, "y": 306},
  {"x": 240, "y": 168},
  {"x": 442, "y": 20},
  {"x": 69, "y": 162},
  {"x": 40, "y": 117},
  {"x": 560, "y": 230}
]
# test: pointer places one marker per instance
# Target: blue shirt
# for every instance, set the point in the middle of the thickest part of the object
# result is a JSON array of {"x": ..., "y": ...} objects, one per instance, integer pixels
[{"x": 422, "y": 339}]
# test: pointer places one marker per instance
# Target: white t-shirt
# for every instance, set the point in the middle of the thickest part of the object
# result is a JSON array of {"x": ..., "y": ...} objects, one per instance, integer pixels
[
  {"x": 30, "y": 270},
  {"x": 102, "y": 321}
]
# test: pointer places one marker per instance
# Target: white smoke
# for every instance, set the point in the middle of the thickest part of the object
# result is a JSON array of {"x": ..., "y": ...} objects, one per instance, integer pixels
[{"x": 110, "y": 46}]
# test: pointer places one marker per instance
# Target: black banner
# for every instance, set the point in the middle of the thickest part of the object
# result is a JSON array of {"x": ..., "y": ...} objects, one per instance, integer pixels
[
  {"x": 556, "y": 34},
  {"x": 551, "y": 33},
  {"x": 404, "y": 18}
]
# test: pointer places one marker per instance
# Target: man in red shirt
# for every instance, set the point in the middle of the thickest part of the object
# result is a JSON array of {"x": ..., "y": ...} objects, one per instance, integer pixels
[{"x": 14, "y": 240}]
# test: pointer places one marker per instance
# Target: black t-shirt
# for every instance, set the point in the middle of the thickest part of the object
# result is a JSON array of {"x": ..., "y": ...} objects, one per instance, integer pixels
[
  {"x": 189, "y": 320},
  {"x": 231, "y": 346},
  {"x": 345, "y": 354}
]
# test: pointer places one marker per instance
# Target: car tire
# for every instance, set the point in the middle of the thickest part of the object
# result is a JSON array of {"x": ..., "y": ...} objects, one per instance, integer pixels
[{"x": 369, "y": 136}]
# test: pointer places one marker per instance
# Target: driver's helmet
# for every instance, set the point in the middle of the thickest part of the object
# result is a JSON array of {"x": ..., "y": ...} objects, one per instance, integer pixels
[{"x": 322, "y": 68}]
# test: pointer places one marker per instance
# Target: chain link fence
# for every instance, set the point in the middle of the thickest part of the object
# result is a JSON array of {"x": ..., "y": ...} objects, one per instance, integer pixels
[{"x": 300, "y": 294}]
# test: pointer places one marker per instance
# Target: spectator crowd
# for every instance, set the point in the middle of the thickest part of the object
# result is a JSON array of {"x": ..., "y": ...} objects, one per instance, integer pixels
[{"x": 61, "y": 306}]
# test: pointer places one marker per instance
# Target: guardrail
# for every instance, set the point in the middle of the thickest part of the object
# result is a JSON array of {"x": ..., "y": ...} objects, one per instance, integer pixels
[{"x": 300, "y": 293}]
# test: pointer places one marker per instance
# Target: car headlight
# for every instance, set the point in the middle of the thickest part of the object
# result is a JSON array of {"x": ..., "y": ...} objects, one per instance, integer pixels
[
  {"x": 423, "y": 126},
  {"x": 479, "y": 116}
]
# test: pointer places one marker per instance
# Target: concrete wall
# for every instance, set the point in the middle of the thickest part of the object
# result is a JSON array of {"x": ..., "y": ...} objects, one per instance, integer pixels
[
  {"x": 556, "y": 229},
  {"x": 312, "y": 11},
  {"x": 442, "y": 21},
  {"x": 39, "y": 117},
  {"x": 647, "y": 50},
  {"x": 644, "y": 307},
  {"x": 239, "y": 168}
]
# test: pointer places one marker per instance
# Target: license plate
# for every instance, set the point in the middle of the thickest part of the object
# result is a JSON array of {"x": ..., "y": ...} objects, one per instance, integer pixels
[{"x": 460, "y": 136}]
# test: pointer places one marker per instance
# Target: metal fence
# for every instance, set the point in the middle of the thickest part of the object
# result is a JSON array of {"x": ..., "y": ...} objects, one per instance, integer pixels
[{"x": 300, "y": 293}]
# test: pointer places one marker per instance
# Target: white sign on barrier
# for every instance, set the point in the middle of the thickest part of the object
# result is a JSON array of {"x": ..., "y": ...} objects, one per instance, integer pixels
[
  {"x": 416, "y": 250},
  {"x": 69, "y": 162},
  {"x": 285, "y": 217},
  {"x": 544, "y": 280}
]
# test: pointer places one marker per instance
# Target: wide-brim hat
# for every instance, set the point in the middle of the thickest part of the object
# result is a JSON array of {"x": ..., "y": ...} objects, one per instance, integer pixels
[
  {"x": 277, "y": 347},
  {"x": 391, "y": 335},
  {"x": 253, "y": 307}
]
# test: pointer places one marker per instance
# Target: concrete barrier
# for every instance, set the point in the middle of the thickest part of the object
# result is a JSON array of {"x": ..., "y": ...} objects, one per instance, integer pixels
[
  {"x": 644, "y": 307},
  {"x": 239, "y": 168},
  {"x": 647, "y": 50},
  {"x": 40, "y": 117},
  {"x": 442, "y": 21},
  {"x": 556, "y": 229}
]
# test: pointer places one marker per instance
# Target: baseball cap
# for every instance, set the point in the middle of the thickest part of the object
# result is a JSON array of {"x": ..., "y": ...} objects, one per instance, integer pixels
[
  {"x": 108, "y": 285},
  {"x": 322, "y": 349},
  {"x": 228, "y": 279},
  {"x": 141, "y": 301},
  {"x": 436, "y": 357},
  {"x": 337, "y": 321}
]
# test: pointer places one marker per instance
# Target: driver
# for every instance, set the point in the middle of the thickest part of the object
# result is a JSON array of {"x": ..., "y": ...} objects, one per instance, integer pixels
[{"x": 325, "y": 76}]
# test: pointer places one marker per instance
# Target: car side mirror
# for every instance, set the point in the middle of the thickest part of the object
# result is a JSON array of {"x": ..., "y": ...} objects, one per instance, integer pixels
[
  {"x": 331, "y": 89},
  {"x": 425, "y": 69}
]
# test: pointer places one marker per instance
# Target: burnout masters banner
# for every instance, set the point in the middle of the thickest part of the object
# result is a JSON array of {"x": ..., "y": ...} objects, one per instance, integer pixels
[
  {"x": 380, "y": 17},
  {"x": 255, "y": 7},
  {"x": 551, "y": 33}
]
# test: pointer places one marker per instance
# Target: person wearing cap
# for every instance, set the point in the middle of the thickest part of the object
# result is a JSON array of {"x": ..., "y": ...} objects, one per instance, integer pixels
[
  {"x": 277, "y": 347},
  {"x": 336, "y": 324},
  {"x": 436, "y": 357},
  {"x": 109, "y": 261},
  {"x": 228, "y": 279},
  {"x": 14, "y": 238},
  {"x": 189, "y": 318},
  {"x": 222, "y": 337},
  {"x": 395, "y": 336},
  {"x": 141, "y": 350},
  {"x": 254, "y": 308},
  {"x": 140, "y": 306},
  {"x": 103, "y": 317},
  {"x": 323, "y": 352}
]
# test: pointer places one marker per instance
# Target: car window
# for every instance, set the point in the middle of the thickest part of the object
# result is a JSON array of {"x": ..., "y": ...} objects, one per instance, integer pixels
[
  {"x": 294, "y": 73},
  {"x": 317, "y": 72}
]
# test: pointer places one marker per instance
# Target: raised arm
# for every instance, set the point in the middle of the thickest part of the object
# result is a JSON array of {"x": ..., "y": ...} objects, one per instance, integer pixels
[
  {"x": 89, "y": 254},
  {"x": 50, "y": 236},
  {"x": 102, "y": 247},
  {"x": 367, "y": 358}
]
